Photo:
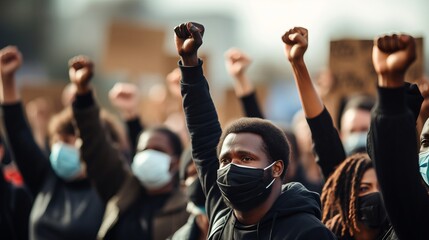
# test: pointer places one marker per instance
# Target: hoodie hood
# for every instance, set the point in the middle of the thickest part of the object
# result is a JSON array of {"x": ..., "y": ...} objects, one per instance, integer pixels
[{"x": 294, "y": 199}]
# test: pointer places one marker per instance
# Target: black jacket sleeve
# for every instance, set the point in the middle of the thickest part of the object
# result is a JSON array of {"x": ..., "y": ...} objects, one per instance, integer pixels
[
  {"x": 205, "y": 131},
  {"x": 134, "y": 128},
  {"x": 327, "y": 143},
  {"x": 30, "y": 159},
  {"x": 250, "y": 106},
  {"x": 104, "y": 164},
  {"x": 392, "y": 145}
]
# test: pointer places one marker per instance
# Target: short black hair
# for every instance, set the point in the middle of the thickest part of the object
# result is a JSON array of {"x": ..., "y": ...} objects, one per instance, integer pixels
[
  {"x": 275, "y": 143},
  {"x": 360, "y": 101},
  {"x": 174, "y": 139}
]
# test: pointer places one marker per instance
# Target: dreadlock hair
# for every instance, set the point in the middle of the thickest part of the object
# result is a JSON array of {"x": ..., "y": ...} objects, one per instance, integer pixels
[
  {"x": 275, "y": 143},
  {"x": 340, "y": 193}
]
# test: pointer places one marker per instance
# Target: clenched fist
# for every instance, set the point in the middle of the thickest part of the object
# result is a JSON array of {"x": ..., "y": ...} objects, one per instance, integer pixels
[
  {"x": 392, "y": 55},
  {"x": 80, "y": 72},
  {"x": 189, "y": 37},
  {"x": 296, "y": 43}
]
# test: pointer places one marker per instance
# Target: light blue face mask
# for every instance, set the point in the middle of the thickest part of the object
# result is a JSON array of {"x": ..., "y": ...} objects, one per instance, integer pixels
[
  {"x": 65, "y": 160},
  {"x": 423, "y": 164},
  {"x": 354, "y": 142}
]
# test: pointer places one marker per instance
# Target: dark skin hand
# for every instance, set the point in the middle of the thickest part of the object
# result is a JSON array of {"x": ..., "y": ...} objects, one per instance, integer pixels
[
  {"x": 189, "y": 37},
  {"x": 392, "y": 55},
  {"x": 80, "y": 72}
]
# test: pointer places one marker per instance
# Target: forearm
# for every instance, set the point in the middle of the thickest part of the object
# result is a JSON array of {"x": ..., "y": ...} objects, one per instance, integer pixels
[
  {"x": 243, "y": 86},
  {"x": 250, "y": 105},
  {"x": 104, "y": 163},
  {"x": 393, "y": 148},
  {"x": 327, "y": 142},
  {"x": 202, "y": 122},
  {"x": 310, "y": 100},
  {"x": 10, "y": 94}
]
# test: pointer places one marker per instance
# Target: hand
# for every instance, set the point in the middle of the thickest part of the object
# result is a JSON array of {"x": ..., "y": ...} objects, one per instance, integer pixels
[
  {"x": 125, "y": 97},
  {"x": 10, "y": 61},
  {"x": 236, "y": 62},
  {"x": 80, "y": 73},
  {"x": 189, "y": 37},
  {"x": 296, "y": 43},
  {"x": 391, "y": 56}
]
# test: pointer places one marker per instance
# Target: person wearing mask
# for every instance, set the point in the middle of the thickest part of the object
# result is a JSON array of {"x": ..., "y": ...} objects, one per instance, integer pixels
[
  {"x": 237, "y": 63},
  {"x": 392, "y": 138},
  {"x": 351, "y": 201},
  {"x": 66, "y": 206},
  {"x": 143, "y": 202},
  {"x": 241, "y": 170}
]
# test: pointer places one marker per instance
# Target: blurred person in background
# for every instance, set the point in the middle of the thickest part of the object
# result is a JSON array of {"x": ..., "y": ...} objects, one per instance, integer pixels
[
  {"x": 144, "y": 202},
  {"x": 66, "y": 205}
]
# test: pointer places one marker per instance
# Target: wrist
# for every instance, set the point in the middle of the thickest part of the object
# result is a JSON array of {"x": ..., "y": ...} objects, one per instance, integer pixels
[
  {"x": 80, "y": 90},
  {"x": 391, "y": 80},
  {"x": 297, "y": 62},
  {"x": 190, "y": 61}
]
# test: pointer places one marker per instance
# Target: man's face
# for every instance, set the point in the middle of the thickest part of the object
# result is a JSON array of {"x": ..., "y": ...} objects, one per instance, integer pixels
[
  {"x": 160, "y": 142},
  {"x": 354, "y": 121},
  {"x": 243, "y": 149},
  {"x": 155, "y": 141}
]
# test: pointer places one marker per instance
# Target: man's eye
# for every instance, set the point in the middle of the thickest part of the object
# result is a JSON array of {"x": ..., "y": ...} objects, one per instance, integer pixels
[
  {"x": 225, "y": 160},
  {"x": 246, "y": 158}
]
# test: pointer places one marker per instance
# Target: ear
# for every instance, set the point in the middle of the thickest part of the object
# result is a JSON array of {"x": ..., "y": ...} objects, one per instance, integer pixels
[{"x": 278, "y": 168}]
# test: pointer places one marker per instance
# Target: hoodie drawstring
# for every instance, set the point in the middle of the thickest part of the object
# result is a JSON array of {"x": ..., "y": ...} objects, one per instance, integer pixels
[
  {"x": 272, "y": 225},
  {"x": 224, "y": 226}
]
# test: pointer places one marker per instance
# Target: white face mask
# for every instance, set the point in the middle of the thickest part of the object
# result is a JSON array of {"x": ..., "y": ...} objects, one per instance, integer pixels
[
  {"x": 355, "y": 141},
  {"x": 152, "y": 167}
]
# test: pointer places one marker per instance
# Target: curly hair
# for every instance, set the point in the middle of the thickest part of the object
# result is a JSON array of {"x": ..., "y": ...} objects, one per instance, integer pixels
[{"x": 340, "y": 193}]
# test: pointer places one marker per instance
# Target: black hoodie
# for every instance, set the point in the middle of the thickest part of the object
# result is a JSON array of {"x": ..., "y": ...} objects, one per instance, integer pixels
[{"x": 295, "y": 214}]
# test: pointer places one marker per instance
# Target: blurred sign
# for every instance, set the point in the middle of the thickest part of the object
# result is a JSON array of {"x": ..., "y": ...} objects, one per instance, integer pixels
[
  {"x": 351, "y": 65},
  {"x": 134, "y": 48},
  {"x": 350, "y": 62}
]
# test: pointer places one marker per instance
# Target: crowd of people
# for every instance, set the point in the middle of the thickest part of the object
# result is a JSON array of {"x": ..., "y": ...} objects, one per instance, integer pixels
[{"x": 86, "y": 177}]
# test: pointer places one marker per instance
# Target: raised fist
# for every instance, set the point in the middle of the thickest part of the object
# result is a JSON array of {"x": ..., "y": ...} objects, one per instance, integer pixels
[
  {"x": 80, "y": 71},
  {"x": 188, "y": 37},
  {"x": 393, "y": 54},
  {"x": 296, "y": 43},
  {"x": 10, "y": 61},
  {"x": 236, "y": 62},
  {"x": 125, "y": 97}
]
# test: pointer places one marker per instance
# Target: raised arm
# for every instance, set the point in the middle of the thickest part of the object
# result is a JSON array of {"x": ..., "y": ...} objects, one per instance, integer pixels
[
  {"x": 104, "y": 164},
  {"x": 125, "y": 97},
  {"x": 32, "y": 162},
  {"x": 200, "y": 112},
  {"x": 392, "y": 140},
  {"x": 237, "y": 63},
  {"x": 327, "y": 143}
]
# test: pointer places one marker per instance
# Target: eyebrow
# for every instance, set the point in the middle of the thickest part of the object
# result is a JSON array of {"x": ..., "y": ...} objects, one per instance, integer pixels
[
  {"x": 366, "y": 183},
  {"x": 239, "y": 152}
]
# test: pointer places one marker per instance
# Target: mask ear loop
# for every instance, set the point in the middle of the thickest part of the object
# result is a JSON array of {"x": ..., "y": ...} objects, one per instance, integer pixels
[{"x": 271, "y": 183}]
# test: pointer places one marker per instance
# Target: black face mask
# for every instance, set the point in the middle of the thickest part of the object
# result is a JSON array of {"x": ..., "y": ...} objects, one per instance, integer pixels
[
  {"x": 196, "y": 194},
  {"x": 244, "y": 188},
  {"x": 371, "y": 210}
]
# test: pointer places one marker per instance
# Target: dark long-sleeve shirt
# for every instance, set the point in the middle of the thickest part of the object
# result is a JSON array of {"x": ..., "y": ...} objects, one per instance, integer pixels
[
  {"x": 392, "y": 145},
  {"x": 61, "y": 210},
  {"x": 296, "y": 207}
]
